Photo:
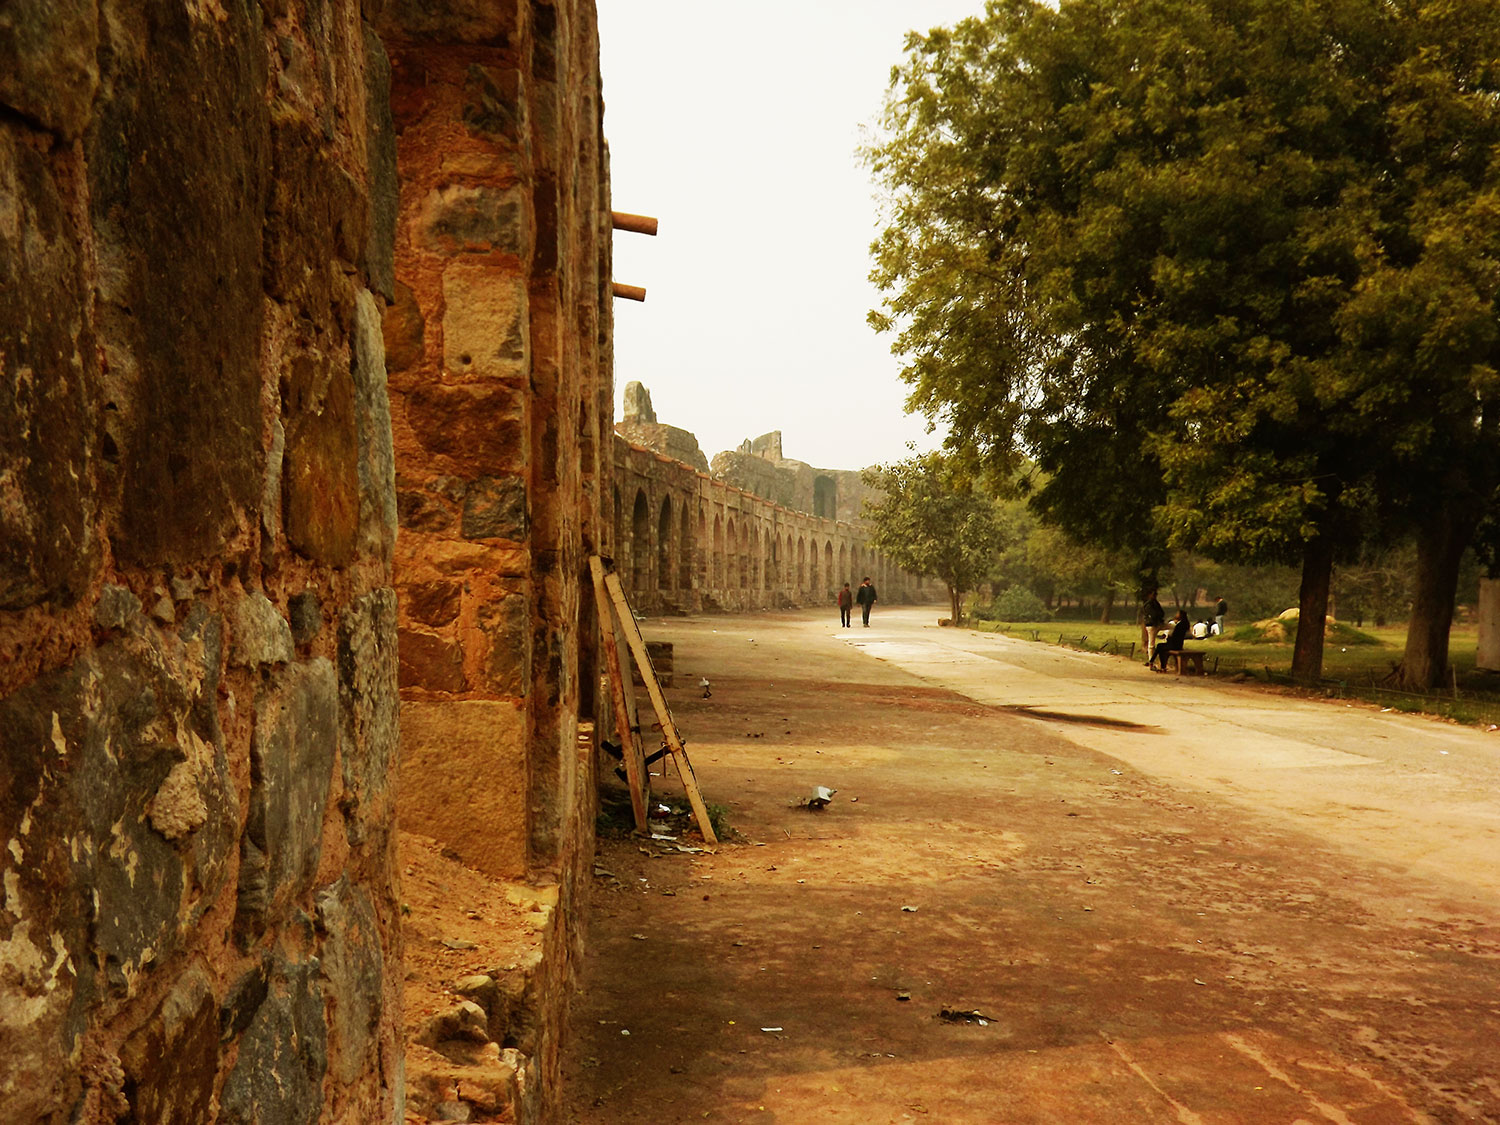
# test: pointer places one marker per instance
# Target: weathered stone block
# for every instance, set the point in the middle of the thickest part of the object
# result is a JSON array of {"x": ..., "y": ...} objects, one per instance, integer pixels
[
  {"x": 419, "y": 511},
  {"x": 462, "y": 217},
  {"x": 485, "y": 326},
  {"x": 116, "y": 607},
  {"x": 258, "y": 633},
  {"x": 493, "y": 105},
  {"x": 495, "y": 508},
  {"x": 48, "y": 68},
  {"x": 315, "y": 214},
  {"x": 377, "y": 457},
  {"x": 403, "y": 330},
  {"x": 463, "y": 779},
  {"x": 172, "y": 1063},
  {"x": 47, "y": 373},
  {"x": 353, "y": 970},
  {"x": 188, "y": 378},
  {"x": 305, "y": 613},
  {"x": 493, "y": 23},
  {"x": 278, "y": 1078},
  {"x": 476, "y": 426},
  {"x": 291, "y": 762},
  {"x": 431, "y": 662},
  {"x": 321, "y": 476},
  {"x": 433, "y": 603},
  {"x": 369, "y": 706},
  {"x": 506, "y": 625}
]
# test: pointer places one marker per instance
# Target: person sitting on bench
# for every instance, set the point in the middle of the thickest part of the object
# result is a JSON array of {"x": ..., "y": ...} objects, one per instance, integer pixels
[{"x": 1174, "y": 641}]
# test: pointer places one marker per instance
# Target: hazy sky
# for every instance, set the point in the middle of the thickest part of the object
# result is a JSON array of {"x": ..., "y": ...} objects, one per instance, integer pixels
[{"x": 736, "y": 125}]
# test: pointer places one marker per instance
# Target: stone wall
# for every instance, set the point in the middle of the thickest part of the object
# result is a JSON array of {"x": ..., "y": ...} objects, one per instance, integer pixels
[
  {"x": 501, "y": 398},
  {"x": 688, "y": 542},
  {"x": 198, "y": 702}
]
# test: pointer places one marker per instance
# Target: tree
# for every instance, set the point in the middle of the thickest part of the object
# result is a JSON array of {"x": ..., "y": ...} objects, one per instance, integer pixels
[
  {"x": 1179, "y": 254},
  {"x": 932, "y": 522}
]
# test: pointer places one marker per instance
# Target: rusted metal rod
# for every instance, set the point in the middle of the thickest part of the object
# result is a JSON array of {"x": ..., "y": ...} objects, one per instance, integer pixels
[
  {"x": 630, "y": 292},
  {"x": 636, "y": 224}
]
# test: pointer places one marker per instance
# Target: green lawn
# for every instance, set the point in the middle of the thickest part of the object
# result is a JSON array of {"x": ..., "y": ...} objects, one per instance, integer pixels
[{"x": 1356, "y": 664}]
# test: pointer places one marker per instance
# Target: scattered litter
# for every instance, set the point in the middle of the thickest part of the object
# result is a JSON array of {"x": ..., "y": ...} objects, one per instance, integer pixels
[
  {"x": 662, "y": 836},
  {"x": 908, "y": 910},
  {"x": 604, "y": 873},
  {"x": 1383, "y": 710},
  {"x": 624, "y": 1031},
  {"x": 1202, "y": 982},
  {"x": 903, "y": 996},
  {"x": 773, "y": 1029},
  {"x": 819, "y": 798},
  {"x": 1491, "y": 728},
  {"x": 703, "y": 683},
  {"x": 637, "y": 937},
  {"x": 458, "y": 943},
  {"x": 1117, "y": 773},
  {"x": 954, "y": 1015}
]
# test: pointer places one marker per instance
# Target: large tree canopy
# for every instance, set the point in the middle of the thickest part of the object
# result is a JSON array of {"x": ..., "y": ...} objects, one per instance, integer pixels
[{"x": 1227, "y": 270}]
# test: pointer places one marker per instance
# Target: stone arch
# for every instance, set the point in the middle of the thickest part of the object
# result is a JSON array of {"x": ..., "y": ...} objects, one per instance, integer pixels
[
  {"x": 830, "y": 577},
  {"x": 843, "y": 575},
  {"x": 685, "y": 552},
  {"x": 731, "y": 561},
  {"x": 640, "y": 543},
  {"x": 665, "y": 572},
  {"x": 801, "y": 564},
  {"x": 705, "y": 566},
  {"x": 766, "y": 561},
  {"x": 718, "y": 563},
  {"x": 747, "y": 562}
]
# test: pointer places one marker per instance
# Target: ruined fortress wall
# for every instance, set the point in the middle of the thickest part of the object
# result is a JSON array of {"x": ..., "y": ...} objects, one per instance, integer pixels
[
  {"x": 498, "y": 345},
  {"x": 688, "y": 543},
  {"x": 197, "y": 521}
]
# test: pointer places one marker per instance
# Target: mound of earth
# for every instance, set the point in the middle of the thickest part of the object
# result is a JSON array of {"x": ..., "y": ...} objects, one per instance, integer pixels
[{"x": 1282, "y": 629}]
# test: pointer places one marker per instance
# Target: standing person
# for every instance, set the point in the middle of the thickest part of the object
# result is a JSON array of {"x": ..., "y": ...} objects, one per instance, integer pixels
[
  {"x": 1221, "y": 610},
  {"x": 846, "y": 606},
  {"x": 866, "y": 598},
  {"x": 1175, "y": 640},
  {"x": 1152, "y": 619}
]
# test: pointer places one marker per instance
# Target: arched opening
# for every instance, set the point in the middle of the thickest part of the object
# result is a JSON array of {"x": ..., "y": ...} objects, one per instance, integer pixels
[
  {"x": 843, "y": 571},
  {"x": 813, "y": 583},
  {"x": 640, "y": 543},
  {"x": 765, "y": 561},
  {"x": 731, "y": 571},
  {"x": 704, "y": 544},
  {"x": 718, "y": 581},
  {"x": 665, "y": 572},
  {"x": 826, "y": 498},
  {"x": 830, "y": 577},
  {"x": 745, "y": 555},
  {"x": 801, "y": 564},
  {"x": 685, "y": 553}
]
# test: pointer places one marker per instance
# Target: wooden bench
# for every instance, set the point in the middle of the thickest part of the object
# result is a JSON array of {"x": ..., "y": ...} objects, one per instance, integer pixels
[{"x": 1187, "y": 656}]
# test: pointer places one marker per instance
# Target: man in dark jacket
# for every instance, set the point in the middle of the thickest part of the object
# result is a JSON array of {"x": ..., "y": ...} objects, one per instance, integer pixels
[
  {"x": 1175, "y": 639},
  {"x": 865, "y": 596},
  {"x": 846, "y": 605},
  {"x": 1152, "y": 617}
]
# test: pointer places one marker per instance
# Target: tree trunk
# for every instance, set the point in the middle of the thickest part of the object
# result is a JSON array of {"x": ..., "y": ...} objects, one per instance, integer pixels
[
  {"x": 1440, "y": 548},
  {"x": 955, "y": 596},
  {"x": 1312, "y": 610},
  {"x": 1109, "y": 606},
  {"x": 1488, "y": 656}
]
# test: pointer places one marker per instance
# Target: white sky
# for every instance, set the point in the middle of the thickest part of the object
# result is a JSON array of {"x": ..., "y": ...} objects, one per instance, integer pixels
[{"x": 736, "y": 124}]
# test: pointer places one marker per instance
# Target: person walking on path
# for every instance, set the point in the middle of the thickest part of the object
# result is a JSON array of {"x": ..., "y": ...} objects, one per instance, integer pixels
[
  {"x": 866, "y": 598},
  {"x": 1152, "y": 618},
  {"x": 1174, "y": 641},
  {"x": 846, "y": 606},
  {"x": 1221, "y": 611}
]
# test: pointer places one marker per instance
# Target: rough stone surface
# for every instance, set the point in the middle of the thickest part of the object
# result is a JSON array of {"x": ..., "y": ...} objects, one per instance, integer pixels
[
  {"x": 305, "y": 615},
  {"x": 377, "y": 457},
  {"x": 48, "y": 67},
  {"x": 476, "y": 426},
  {"x": 283, "y": 1058},
  {"x": 186, "y": 354},
  {"x": 431, "y": 662},
  {"x": 353, "y": 968},
  {"x": 506, "y": 625},
  {"x": 461, "y": 217},
  {"x": 444, "y": 747},
  {"x": 47, "y": 376},
  {"x": 490, "y": 22},
  {"x": 403, "y": 330},
  {"x": 291, "y": 754},
  {"x": 495, "y": 508},
  {"x": 485, "y": 325},
  {"x": 259, "y": 634},
  {"x": 321, "y": 476},
  {"x": 434, "y": 603},
  {"x": 369, "y": 709},
  {"x": 380, "y": 141},
  {"x": 172, "y": 1063},
  {"x": 116, "y": 607}
]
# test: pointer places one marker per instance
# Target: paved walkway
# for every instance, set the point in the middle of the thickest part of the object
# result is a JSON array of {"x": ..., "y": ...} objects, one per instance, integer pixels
[{"x": 1166, "y": 900}]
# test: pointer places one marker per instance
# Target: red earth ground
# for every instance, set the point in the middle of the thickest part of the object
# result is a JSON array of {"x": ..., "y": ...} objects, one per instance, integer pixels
[{"x": 1248, "y": 910}]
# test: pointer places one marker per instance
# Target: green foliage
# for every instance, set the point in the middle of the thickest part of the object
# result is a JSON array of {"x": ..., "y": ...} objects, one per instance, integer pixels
[
  {"x": 1228, "y": 273},
  {"x": 932, "y": 521},
  {"x": 1017, "y": 604},
  {"x": 1283, "y": 630}
]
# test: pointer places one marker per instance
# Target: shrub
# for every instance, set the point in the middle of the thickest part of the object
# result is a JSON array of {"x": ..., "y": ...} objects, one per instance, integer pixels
[{"x": 1018, "y": 604}]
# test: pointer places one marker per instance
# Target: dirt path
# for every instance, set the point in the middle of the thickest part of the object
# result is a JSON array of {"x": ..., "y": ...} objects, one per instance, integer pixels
[{"x": 1172, "y": 902}]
